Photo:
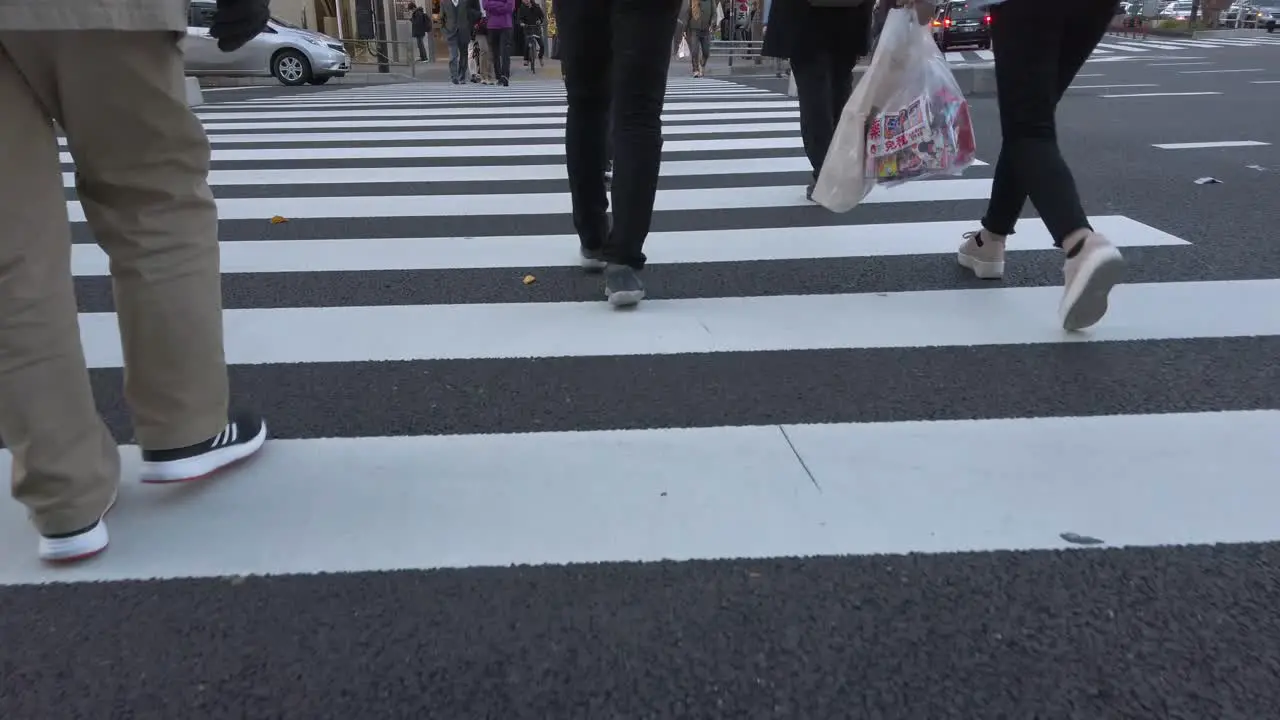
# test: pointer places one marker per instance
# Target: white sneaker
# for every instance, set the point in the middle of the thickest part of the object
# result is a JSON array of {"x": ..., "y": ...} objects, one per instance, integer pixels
[
  {"x": 983, "y": 253},
  {"x": 1089, "y": 277},
  {"x": 79, "y": 545}
]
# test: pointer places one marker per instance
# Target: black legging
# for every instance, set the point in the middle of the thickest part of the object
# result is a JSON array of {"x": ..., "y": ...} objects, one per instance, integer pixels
[{"x": 1039, "y": 47}]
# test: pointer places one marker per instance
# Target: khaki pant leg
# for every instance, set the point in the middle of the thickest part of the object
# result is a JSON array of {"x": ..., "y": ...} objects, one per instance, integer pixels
[
  {"x": 143, "y": 163},
  {"x": 65, "y": 464}
]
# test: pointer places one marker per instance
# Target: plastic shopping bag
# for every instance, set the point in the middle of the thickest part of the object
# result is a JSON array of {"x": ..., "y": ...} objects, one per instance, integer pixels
[
  {"x": 906, "y": 120},
  {"x": 683, "y": 52}
]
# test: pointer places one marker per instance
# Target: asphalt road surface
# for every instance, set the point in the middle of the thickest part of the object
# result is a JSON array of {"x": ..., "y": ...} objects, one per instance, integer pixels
[{"x": 821, "y": 473}]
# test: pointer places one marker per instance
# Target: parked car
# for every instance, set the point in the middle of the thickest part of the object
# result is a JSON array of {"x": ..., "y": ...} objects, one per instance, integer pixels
[
  {"x": 960, "y": 23},
  {"x": 290, "y": 54}
]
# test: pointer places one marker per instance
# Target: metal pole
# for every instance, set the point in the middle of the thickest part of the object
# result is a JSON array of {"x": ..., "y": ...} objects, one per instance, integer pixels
[{"x": 380, "y": 34}]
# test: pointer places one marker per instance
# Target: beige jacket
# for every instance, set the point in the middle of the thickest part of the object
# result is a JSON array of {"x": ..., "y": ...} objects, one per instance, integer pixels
[{"x": 93, "y": 15}]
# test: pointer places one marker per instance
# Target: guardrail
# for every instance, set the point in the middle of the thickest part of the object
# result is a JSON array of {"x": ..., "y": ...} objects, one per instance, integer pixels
[
  {"x": 385, "y": 54},
  {"x": 739, "y": 49}
]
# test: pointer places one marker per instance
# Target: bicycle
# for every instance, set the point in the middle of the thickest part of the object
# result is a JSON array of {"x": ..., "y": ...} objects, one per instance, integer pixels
[{"x": 532, "y": 45}]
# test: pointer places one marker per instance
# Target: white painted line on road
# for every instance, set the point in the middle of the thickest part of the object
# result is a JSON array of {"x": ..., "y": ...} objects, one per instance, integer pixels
[
  {"x": 935, "y": 318},
  {"x": 1104, "y": 87},
  {"x": 516, "y": 122},
  {"x": 557, "y": 203},
  {"x": 365, "y": 138},
  {"x": 1166, "y": 94},
  {"x": 483, "y": 112},
  {"x": 1264, "y": 82},
  {"x": 479, "y": 173},
  {"x": 325, "y": 103},
  {"x": 1206, "y": 145},
  {"x": 459, "y": 151},
  {"x": 496, "y": 500},
  {"x": 669, "y": 247},
  {"x": 1203, "y": 72},
  {"x": 1171, "y": 64},
  {"x": 1124, "y": 48},
  {"x": 482, "y": 173},
  {"x": 1161, "y": 45},
  {"x": 985, "y": 54}
]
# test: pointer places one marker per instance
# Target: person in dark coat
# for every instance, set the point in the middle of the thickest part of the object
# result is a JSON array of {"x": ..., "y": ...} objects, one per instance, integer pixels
[
  {"x": 823, "y": 44},
  {"x": 421, "y": 24}
]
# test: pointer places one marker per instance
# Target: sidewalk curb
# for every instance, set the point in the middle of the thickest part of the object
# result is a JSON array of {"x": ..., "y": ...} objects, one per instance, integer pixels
[
  {"x": 975, "y": 79},
  {"x": 374, "y": 78}
]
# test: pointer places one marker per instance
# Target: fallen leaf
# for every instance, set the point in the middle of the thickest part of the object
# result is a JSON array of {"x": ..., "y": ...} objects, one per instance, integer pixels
[
  {"x": 278, "y": 219},
  {"x": 1077, "y": 539},
  {"x": 529, "y": 279}
]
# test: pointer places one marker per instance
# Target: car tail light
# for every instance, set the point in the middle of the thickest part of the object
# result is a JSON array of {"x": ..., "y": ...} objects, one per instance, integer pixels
[
  {"x": 946, "y": 22},
  {"x": 987, "y": 19},
  {"x": 937, "y": 23}
]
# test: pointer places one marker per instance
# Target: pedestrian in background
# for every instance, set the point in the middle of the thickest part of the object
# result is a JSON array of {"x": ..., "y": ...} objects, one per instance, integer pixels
[
  {"x": 696, "y": 18},
  {"x": 616, "y": 55},
  {"x": 781, "y": 68},
  {"x": 420, "y": 22},
  {"x": 484, "y": 55},
  {"x": 458, "y": 17},
  {"x": 111, "y": 75},
  {"x": 501, "y": 14},
  {"x": 823, "y": 44},
  {"x": 1039, "y": 47}
]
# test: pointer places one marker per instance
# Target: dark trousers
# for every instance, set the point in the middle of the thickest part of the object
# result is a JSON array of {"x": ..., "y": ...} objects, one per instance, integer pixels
[
  {"x": 699, "y": 48},
  {"x": 615, "y": 54},
  {"x": 500, "y": 49},
  {"x": 462, "y": 50},
  {"x": 1039, "y": 47},
  {"x": 824, "y": 82},
  {"x": 422, "y": 48}
]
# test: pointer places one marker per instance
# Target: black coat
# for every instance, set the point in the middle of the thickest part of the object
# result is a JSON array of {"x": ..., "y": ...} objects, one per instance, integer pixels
[
  {"x": 421, "y": 22},
  {"x": 797, "y": 29}
]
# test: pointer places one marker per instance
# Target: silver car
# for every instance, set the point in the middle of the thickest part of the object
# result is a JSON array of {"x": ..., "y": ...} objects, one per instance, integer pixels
[{"x": 290, "y": 54}]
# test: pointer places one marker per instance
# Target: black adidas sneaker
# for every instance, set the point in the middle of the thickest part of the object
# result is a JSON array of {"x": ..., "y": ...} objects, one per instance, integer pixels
[{"x": 243, "y": 436}]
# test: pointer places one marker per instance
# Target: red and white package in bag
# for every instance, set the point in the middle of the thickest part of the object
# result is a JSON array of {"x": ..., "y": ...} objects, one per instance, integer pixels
[
  {"x": 923, "y": 135},
  {"x": 907, "y": 120}
]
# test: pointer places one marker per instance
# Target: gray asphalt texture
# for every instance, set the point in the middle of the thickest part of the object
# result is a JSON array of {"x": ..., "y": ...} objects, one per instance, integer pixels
[
  {"x": 1090, "y": 634},
  {"x": 1080, "y": 635}
]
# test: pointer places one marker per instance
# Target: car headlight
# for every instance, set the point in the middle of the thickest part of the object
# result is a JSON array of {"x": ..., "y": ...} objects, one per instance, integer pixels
[{"x": 314, "y": 41}]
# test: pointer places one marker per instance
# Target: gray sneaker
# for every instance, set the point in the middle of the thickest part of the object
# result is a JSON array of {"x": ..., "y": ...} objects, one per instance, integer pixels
[
  {"x": 622, "y": 286},
  {"x": 592, "y": 260}
]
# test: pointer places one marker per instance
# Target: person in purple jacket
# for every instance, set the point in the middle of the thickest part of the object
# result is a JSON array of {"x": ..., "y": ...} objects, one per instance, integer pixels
[{"x": 501, "y": 15}]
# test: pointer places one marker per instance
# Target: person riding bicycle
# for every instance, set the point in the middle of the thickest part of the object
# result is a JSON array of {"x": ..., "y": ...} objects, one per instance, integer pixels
[{"x": 531, "y": 19}]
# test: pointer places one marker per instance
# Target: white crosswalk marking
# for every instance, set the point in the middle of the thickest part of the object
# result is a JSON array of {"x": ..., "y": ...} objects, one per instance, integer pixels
[
  {"x": 1124, "y": 47},
  {"x": 451, "y": 391}
]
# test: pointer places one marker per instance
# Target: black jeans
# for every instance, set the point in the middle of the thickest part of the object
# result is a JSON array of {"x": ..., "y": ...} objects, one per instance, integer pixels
[
  {"x": 824, "y": 82},
  {"x": 1039, "y": 47},
  {"x": 615, "y": 54},
  {"x": 500, "y": 49}
]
